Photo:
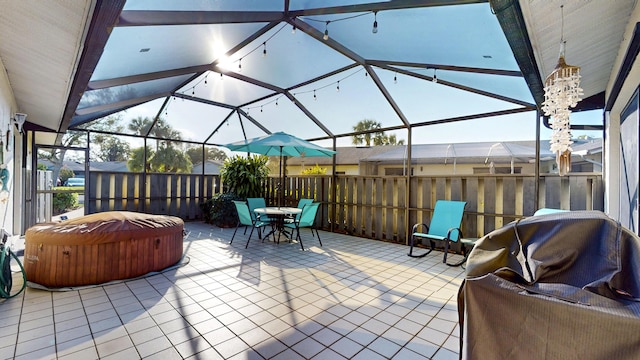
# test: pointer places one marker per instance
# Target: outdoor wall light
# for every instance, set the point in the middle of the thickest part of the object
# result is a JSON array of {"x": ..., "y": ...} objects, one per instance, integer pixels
[{"x": 19, "y": 119}]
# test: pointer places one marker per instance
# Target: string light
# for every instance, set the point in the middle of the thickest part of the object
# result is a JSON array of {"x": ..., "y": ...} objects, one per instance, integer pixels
[
  {"x": 395, "y": 78},
  {"x": 435, "y": 77},
  {"x": 240, "y": 65},
  {"x": 315, "y": 96},
  {"x": 326, "y": 31},
  {"x": 205, "y": 79},
  {"x": 264, "y": 49},
  {"x": 375, "y": 22},
  {"x": 293, "y": 29}
]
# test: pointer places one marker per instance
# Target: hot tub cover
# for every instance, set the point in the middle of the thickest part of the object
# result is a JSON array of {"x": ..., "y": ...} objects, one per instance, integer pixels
[{"x": 109, "y": 226}]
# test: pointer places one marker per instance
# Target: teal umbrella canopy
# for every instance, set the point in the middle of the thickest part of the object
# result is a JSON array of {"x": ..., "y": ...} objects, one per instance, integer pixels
[{"x": 280, "y": 144}]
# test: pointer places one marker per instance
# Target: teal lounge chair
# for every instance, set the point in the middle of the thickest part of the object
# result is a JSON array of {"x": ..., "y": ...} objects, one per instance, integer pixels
[{"x": 444, "y": 226}]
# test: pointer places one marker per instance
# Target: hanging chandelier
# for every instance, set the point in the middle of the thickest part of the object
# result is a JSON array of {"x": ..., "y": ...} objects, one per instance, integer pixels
[{"x": 561, "y": 93}]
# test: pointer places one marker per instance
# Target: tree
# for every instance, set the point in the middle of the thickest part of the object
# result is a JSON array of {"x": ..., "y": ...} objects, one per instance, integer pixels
[
  {"x": 56, "y": 155},
  {"x": 168, "y": 155},
  {"x": 392, "y": 140},
  {"x": 107, "y": 147},
  {"x": 378, "y": 137},
  {"x": 195, "y": 154},
  {"x": 136, "y": 160},
  {"x": 365, "y": 125}
]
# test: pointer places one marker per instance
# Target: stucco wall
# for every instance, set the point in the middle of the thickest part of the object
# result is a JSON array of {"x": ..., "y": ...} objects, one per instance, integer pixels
[{"x": 7, "y": 200}]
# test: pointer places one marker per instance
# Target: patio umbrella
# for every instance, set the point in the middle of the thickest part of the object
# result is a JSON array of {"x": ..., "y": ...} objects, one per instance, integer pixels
[{"x": 280, "y": 144}]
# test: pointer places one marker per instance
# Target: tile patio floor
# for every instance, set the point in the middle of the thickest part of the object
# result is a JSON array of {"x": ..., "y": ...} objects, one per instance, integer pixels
[{"x": 353, "y": 298}]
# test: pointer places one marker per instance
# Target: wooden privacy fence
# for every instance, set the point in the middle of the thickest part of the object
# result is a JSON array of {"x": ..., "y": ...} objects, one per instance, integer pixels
[
  {"x": 377, "y": 207},
  {"x": 168, "y": 194}
]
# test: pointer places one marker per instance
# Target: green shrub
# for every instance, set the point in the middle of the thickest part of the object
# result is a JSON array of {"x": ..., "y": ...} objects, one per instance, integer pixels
[
  {"x": 245, "y": 176},
  {"x": 220, "y": 210},
  {"x": 63, "y": 202}
]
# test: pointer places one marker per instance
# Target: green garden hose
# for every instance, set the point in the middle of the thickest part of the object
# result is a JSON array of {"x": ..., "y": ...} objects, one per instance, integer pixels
[{"x": 6, "y": 275}]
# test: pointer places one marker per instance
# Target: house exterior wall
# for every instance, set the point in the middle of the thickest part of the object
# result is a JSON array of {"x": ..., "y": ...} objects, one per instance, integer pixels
[
  {"x": 612, "y": 171},
  {"x": 10, "y": 203},
  {"x": 364, "y": 168}
]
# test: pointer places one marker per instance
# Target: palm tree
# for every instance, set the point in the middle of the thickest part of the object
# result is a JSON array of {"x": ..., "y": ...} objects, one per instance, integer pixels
[{"x": 365, "y": 125}]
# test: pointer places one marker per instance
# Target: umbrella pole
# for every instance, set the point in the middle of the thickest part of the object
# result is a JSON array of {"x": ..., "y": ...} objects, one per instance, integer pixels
[{"x": 281, "y": 194}]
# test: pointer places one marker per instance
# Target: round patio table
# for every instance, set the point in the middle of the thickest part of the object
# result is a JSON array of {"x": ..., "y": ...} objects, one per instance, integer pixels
[{"x": 279, "y": 214}]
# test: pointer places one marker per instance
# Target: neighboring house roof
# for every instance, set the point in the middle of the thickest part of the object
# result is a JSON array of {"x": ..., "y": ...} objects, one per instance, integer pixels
[
  {"x": 347, "y": 155},
  {"x": 477, "y": 152},
  {"x": 74, "y": 166},
  {"x": 109, "y": 166},
  {"x": 497, "y": 152},
  {"x": 211, "y": 167}
]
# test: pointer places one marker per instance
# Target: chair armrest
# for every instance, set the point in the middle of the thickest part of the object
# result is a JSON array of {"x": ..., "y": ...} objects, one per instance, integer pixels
[
  {"x": 416, "y": 226},
  {"x": 452, "y": 230}
]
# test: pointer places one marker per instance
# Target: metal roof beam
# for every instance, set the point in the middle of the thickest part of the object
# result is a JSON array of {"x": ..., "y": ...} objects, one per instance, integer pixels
[
  {"x": 509, "y": 15},
  {"x": 380, "y": 6},
  {"x": 316, "y": 34},
  {"x": 460, "y": 87},
  {"x": 125, "y": 80},
  {"x": 254, "y": 121},
  {"x": 321, "y": 77},
  {"x": 387, "y": 96},
  {"x": 119, "y": 104},
  {"x": 156, "y": 17},
  {"x": 308, "y": 113},
  {"x": 218, "y": 127},
  {"x": 204, "y": 101},
  {"x": 432, "y": 122},
  {"x": 446, "y": 67},
  {"x": 105, "y": 15}
]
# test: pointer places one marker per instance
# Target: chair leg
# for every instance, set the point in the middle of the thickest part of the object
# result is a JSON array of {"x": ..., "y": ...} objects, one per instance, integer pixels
[
  {"x": 250, "y": 233},
  {"x": 446, "y": 250},
  {"x": 300, "y": 239},
  {"x": 234, "y": 233},
  {"x": 411, "y": 241},
  {"x": 317, "y": 233}
]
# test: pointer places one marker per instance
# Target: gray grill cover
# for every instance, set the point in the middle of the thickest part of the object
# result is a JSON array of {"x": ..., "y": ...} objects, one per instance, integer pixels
[{"x": 559, "y": 286}]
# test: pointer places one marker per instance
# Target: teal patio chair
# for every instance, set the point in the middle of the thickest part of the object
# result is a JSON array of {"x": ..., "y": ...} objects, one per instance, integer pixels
[
  {"x": 255, "y": 203},
  {"x": 547, "y": 211},
  {"x": 307, "y": 220},
  {"x": 444, "y": 226},
  {"x": 301, "y": 204},
  {"x": 244, "y": 219}
]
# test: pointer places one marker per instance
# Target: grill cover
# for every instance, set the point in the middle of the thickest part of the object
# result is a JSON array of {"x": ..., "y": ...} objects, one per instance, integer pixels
[{"x": 558, "y": 286}]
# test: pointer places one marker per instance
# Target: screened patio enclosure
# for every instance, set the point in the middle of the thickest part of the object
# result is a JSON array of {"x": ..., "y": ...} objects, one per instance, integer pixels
[{"x": 222, "y": 71}]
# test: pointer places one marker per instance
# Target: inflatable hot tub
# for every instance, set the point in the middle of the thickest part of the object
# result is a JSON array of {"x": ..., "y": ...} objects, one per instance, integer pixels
[{"x": 102, "y": 247}]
